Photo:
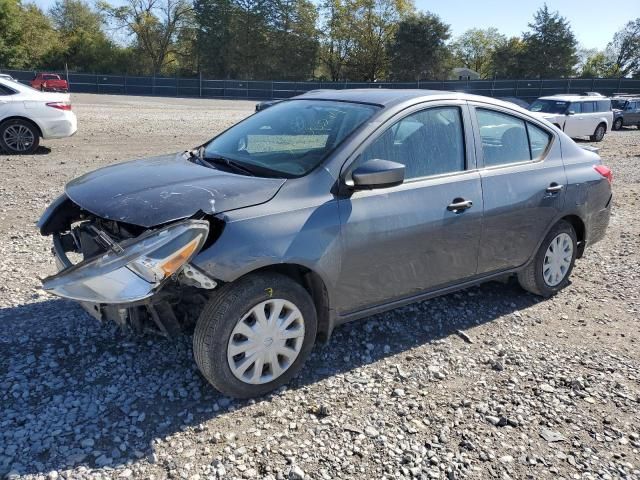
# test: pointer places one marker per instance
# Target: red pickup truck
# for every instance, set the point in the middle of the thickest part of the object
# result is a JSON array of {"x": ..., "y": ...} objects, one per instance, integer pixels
[{"x": 50, "y": 82}]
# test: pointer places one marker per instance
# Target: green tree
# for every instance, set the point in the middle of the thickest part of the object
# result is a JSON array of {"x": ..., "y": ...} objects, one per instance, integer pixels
[
  {"x": 596, "y": 65},
  {"x": 418, "y": 50},
  {"x": 154, "y": 26},
  {"x": 550, "y": 46},
  {"x": 84, "y": 45},
  {"x": 338, "y": 38},
  {"x": 214, "y": 36},
  {"x": 11, "y": 51},
  {"x": 474, "y": 49},
  {"x": 507, "y": 59},
  {"x": 624, "y": 50},
  {"x": 376, "y": 23},
  {"x": 293, "y": 46}
]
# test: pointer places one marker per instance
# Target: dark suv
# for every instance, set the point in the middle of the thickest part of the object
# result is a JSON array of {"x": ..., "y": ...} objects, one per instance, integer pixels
[
  {"x": 321, "y": 210},
  {"x": 626, "y": 111}
]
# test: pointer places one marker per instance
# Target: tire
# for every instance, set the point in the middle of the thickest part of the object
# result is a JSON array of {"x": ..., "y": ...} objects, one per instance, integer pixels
[
  {"x": 216, "y": 332},
  {"x": 19, "y": 137},
  {"x": 532, "y": 277},
  {"x": 617, "y": 125},
  {"x": 598, "y": 135}
]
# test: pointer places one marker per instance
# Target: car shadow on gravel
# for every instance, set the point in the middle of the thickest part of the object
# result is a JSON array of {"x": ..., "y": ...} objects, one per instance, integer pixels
[{"x": 77, "y": 393}]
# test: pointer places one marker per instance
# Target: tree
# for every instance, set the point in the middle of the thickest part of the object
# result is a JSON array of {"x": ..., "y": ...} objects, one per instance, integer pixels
[
  {"x": 83, "y": 45},
  {"x": 338, "y": 39},
  {"x": 294, "y": 39},
  {"x": 474, "y": 49},
  {"x": 418, "y": 50},
  {"x": 11, "y": 51},
  {"x": 596, "y": 65},
  {"x": 550, "y": 46},
  {"x": 154, "y": 24},
  {"x": 625, "y": 50},
  {"x": 376, "y": 23},
  {"x": 507, "y": 59}
]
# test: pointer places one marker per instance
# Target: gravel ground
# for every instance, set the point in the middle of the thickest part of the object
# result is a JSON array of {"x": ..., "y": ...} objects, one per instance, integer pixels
[{"x": 490, "y": 382}]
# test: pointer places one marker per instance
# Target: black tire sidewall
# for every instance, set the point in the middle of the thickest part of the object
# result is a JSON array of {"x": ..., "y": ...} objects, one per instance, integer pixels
[
  {"x": 546, "y": 290},
  {"x": 595, "y": 134},
  {"x": 227, "y": 312},
  {"x": 617, "y": 125},
  {"x": 36, "y": 137}
]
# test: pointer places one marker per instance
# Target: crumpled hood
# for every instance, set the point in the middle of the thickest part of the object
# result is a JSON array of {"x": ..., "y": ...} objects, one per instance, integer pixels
[{"x": 158, "y": 190}]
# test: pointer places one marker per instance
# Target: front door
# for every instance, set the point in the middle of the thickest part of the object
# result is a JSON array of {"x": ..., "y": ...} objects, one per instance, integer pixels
[{"x": 404, "y": 240}]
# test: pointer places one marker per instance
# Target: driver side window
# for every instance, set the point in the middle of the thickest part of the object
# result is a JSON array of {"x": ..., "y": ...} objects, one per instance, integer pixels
[{"x": 429, "y": 142}]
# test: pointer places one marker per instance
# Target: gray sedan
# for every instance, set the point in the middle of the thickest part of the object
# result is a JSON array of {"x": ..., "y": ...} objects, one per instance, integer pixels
[{"x": 320, "y": 210}]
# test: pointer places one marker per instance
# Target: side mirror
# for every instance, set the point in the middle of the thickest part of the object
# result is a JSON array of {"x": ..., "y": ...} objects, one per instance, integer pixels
[{"x": 378, "y": 174}]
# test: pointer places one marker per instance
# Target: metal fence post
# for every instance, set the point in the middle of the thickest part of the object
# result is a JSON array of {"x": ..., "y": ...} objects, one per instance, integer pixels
[
  {"x": 619, "y": 84},
  {"x": 200, "y": 83},
  {"x": 97, "y": 84},
  {"x": 153, "y": 84}
]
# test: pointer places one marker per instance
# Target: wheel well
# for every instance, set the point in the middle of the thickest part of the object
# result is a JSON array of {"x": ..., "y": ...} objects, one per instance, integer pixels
[
  {"x": 578, "y": 226},
  {"x": 24, "y": 119},
  {"x": 314, "y": 285},
  {"x": 605, "y": 125}
]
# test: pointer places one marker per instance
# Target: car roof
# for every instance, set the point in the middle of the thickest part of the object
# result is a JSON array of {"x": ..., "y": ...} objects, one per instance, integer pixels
[
  {"x": 386, "y": 97},
  {"x": 574, "y": 98}
]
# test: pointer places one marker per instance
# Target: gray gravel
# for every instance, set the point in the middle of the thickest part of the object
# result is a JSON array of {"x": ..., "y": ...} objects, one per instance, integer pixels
[{"x": 490, "y": 382}]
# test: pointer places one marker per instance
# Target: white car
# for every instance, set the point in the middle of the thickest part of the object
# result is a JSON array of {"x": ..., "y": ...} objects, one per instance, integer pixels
[
  {"x": 26, "y": 115},
  {"x": 577, "y": 116}
]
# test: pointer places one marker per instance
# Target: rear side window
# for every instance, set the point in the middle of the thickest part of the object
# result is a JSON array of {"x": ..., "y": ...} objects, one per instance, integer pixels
[
  {"x": 575, "y": 107},
  {"x": 5, "y": 91},
  {"x": 507, "y": 139},
  {"x": 603, "y": 105},
  {"x": 588, "y": 107},
  {"x": 428, "y": 142},
  {"x": 538, "y": 140}
]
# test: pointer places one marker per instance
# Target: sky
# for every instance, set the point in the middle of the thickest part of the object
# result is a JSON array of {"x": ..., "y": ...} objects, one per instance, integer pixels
[{"x": 594, "y": 22}]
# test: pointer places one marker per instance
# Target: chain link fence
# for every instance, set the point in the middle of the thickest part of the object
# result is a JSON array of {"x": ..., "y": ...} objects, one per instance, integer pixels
[{"x": 199, "y": 87}]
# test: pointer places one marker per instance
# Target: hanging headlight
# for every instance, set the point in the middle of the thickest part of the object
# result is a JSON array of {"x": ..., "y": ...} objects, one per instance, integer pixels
[{"x": 133, "y": 272}]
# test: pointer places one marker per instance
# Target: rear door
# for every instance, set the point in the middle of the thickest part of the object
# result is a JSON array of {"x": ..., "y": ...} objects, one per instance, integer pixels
[
  {"x": 404, "y": 240},
  {"x": 577, "y": 124},
  {"x": 523, "y": 185},
  {"x": 632, "y": 117}
]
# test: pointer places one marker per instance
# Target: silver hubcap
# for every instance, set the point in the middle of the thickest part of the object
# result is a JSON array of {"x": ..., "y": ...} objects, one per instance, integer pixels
[
  {"x": 557, "y": 260},
  {"x": 266, "y": 341},
  {"x": 600, "y": 132},
  {"x": 18, "y": 138}
]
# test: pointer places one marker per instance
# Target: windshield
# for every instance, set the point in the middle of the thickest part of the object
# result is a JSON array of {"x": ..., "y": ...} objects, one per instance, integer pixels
[
  {"x": 618, "y": 104},
  {"x": 290, "y": 138},
  {"x": 549, "y": 106}
]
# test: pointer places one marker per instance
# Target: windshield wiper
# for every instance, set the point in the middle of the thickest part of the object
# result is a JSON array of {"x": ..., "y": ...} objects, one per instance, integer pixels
[{"x": 219, "y": 160}]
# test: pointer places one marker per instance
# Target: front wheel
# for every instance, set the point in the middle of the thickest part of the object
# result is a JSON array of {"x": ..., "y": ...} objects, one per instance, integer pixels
[
  {"x": 598, "y": 135},
  {"x": 549, "y": 271},
  {"x": 19, "y": 137},
  {"x": 617, "y": 125},
  {"x": 255, "y": 335}
]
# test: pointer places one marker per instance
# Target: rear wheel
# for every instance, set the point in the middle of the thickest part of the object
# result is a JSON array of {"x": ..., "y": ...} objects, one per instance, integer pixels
[
  {"x": 617, "y": 125},
  {"x": 255, "y": 335},
  {"x": 549, "y": 271},
  {"x": 19, "y": 137},
  {"x": 598, "y": 135}
]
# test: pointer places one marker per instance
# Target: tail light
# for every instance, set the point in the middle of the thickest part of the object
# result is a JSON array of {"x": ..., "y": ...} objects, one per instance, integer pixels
[
  {"x": 60, "y": 105},
  {"x": 605, "y": 172}
]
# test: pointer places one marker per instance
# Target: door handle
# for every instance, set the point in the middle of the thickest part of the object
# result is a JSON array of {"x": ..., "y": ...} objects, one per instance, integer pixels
[
  {"x": 554, "y": 188},
  {"x": 459, "y": 205}
]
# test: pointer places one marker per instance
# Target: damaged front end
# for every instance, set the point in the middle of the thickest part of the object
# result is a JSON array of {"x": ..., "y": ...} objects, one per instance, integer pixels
[{"x": 136, "y": 276}]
